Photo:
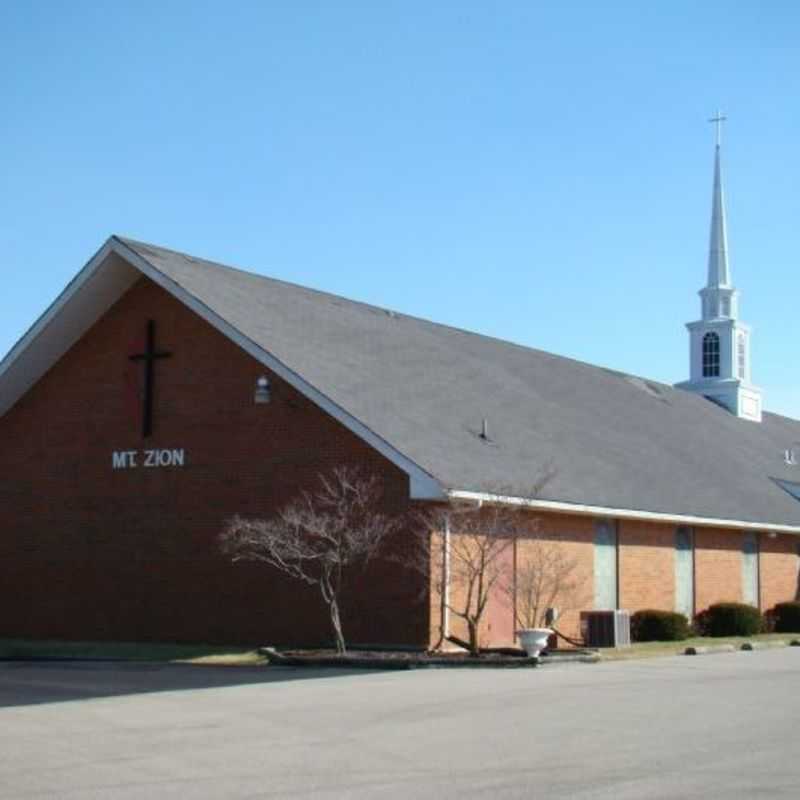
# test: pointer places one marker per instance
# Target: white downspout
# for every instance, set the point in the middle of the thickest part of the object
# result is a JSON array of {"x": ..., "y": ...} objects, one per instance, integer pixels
[{"x": 446, "y": 579}]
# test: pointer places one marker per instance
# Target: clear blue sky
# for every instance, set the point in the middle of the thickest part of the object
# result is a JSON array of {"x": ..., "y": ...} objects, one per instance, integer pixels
[{"x": 536, "y": 171}]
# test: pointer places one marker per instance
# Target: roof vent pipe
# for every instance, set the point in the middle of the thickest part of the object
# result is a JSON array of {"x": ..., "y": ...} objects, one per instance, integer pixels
[{"x": 485, "y": 429}]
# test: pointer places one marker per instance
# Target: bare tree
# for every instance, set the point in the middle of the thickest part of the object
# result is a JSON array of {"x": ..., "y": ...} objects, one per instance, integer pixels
[
  {"x": 465, "y": 551},
  {"x": 318, "y": 537},
  {"x": 545, "y": 577}
]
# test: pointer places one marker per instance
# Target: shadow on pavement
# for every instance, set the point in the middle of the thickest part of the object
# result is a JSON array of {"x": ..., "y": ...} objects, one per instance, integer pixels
[{"x": 25, "y": 683}]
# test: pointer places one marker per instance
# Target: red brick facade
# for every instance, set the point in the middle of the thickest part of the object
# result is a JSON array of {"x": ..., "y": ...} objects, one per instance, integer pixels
[
  {"x": 646, "y": 576},
  {"x": 778, "y": 570},
  {"x": 91, "y": 552}
]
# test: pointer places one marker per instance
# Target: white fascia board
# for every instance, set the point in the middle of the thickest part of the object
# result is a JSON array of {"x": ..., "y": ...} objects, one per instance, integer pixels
[
  {"x": 55, "y": 307},
  {"x": 88, "y": 295},
  {"x": 560, "y": 507},
  {"x": 422, "y": 485}
]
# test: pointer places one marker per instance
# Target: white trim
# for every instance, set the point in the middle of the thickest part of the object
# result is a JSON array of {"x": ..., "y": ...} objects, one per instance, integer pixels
[
  {"x": 561, "y": 507},
  {"x": 422, "y": 485},
  {"x": 55, "y": 307},
  {"x": 62, "y": 324}
]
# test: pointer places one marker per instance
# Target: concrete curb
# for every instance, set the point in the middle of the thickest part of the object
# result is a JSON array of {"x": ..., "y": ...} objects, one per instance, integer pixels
[
  {"x": 745, "y": 646},
  {"x": 763, "y": 645},
  {"x": 705, "y": 650},
  {"x": 571, "y": 658},
  {"x": 474, "y": 663}
]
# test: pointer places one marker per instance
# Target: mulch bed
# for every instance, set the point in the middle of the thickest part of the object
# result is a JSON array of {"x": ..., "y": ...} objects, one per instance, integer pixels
[
  {"x": 390, "y": 659},
  {"x": 402, "y": 660}
]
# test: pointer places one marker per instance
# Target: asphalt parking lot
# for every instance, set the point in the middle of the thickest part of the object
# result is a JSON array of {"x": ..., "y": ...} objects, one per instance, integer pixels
[{"x": 703, "y": 727}]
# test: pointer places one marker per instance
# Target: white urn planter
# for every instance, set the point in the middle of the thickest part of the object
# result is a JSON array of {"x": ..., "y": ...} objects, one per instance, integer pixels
[{"x": 534, "y": 640}]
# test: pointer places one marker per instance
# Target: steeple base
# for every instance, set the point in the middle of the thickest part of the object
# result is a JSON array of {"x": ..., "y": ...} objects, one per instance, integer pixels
[{"x": 738, "y": 397}]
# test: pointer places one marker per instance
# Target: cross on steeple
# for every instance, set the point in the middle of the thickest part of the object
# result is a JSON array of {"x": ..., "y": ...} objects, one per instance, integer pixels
[
  {"x": 718, "y": 120},
  {"x": 149, "y": 357}
]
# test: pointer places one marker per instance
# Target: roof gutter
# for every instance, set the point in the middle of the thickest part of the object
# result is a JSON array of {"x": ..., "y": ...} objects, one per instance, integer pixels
[{"x": 560, "y": 507}]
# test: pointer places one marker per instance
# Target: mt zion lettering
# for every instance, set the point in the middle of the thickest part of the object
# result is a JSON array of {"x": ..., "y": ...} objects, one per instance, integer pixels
[{"x": 133, "y": 459}]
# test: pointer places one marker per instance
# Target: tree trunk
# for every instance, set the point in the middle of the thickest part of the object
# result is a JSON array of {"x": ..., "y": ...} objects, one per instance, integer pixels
[
  {"x": 336, "y": 623},
  {"x": 474, "y": 644}
]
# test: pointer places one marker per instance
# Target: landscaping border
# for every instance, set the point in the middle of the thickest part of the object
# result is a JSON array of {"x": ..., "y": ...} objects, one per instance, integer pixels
[{"x": 399, "y": 661}]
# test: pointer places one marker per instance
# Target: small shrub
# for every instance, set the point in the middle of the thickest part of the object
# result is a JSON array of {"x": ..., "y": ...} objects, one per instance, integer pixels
[
  {"x": 651, "y": 625},
  {"x": 768, "y": 621},
  {"x": 700, "y": 625},
  {"x": 786, "y": 617},
  {"x": 730, "y": 619}
]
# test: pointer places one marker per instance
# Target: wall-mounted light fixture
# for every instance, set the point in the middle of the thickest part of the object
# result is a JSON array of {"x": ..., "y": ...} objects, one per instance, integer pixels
[{"x": 262, "y": 393}]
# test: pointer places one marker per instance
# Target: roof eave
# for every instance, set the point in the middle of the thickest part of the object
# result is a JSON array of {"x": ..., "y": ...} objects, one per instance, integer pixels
[
  {"x": 95, "y": 289},
  {"x": 562, "y": 507},
  {"x": 85, "y": 298}
]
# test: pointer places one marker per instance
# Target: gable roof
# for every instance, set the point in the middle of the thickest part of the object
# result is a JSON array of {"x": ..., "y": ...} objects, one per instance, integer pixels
[{"x": 418, "y": 392}]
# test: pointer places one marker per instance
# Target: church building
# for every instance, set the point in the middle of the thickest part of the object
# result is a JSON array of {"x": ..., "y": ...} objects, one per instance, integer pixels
[{"x": 161, "y": 394}]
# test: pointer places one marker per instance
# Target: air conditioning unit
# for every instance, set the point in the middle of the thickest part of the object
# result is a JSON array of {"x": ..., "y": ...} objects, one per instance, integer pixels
[{"x": 606, "y": 628}]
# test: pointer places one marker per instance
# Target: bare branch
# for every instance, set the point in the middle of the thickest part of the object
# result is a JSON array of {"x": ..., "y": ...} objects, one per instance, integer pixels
[
  {"x": 318, "y": 536},
  {"x": 479, "y": 545},
  {"x": 546, "y": 578}
]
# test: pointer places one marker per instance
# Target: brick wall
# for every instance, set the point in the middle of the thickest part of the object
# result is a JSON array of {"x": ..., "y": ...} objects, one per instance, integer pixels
[
  {"x": 718, "y": 566},
  {"x": 94, "y": 553},
  {"x": 778, "y": 563},
  {"x": 647, "y": 569},
  {"x": 646, "y": 565},
  {"x": 573, "y": 536},
  {"x": 466, "y": 549}
]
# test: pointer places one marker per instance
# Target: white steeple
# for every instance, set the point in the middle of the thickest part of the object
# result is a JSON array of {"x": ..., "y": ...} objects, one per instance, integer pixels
[
  {"x": 718, "y": 273},
  {"x": 719, "y": 344},
  {"x": 720, "y": 299}
]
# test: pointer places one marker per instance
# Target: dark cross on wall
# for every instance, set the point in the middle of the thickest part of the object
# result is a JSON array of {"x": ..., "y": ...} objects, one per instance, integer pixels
[{"x": 148, "y": 359}]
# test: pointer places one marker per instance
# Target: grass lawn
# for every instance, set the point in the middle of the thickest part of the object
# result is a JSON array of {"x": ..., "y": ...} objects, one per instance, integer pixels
[
  {"x": 132, "y": 651},
  {"x": 654, "y": 649}
]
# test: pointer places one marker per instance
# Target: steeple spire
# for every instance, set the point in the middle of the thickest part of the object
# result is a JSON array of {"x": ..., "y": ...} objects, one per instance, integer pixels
[
  {"x": 719, "y": 342},
  {"x": 718, "y": 271}
]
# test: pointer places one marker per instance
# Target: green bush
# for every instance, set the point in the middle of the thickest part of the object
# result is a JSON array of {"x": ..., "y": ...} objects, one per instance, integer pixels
[
  {"x": 651, "y": 625},
  {"x": 730, "y": 619},
  {"x": 786, "y": 617}
]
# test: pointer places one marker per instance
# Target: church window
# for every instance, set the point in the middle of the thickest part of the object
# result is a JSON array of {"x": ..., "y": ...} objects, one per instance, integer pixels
[
  {"x": 606, "y": 565},
  {"x": 750, "y": 570},
  {"x": 711, "y": 355},
  {"x": 741, "y": 354},
  {"x": 684, "y": 572}
]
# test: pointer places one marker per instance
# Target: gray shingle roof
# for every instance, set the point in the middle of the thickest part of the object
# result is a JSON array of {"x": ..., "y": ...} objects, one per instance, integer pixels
[{"x": 615, "y": 440}]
